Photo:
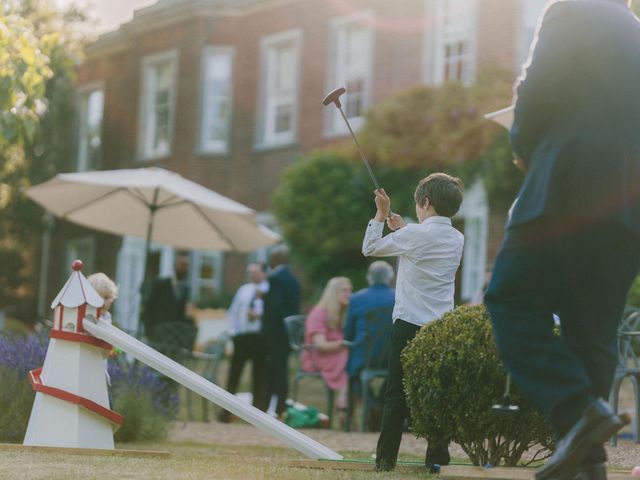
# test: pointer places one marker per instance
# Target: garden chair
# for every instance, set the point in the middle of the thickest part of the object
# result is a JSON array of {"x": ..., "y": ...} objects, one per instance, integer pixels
[
  {"x": 206, "y": 364},
  {"x": 294, "y": 325},
  {"x": 176, "y": 340},
  {"x": 377, "y": 341},
  {"x": 628, "y": 365}
]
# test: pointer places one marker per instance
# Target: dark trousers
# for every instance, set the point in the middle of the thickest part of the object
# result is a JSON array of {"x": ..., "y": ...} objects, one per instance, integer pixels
[
  {"x": 249, "y": 347},
  {"x": 278, "y": 379},
  {"x": 395, "y": 406},
  {"x": 583, "y": 275}
]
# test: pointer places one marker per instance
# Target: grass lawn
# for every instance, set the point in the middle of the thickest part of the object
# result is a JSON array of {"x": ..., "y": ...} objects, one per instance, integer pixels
[{"x": 188, "y": 461}]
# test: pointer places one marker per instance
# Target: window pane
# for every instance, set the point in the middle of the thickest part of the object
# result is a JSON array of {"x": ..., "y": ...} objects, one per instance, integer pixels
[
  {"x": 285, "y": 68},
  {"x": 91, "y": 130},
  {"x": 454, "y": 60},
  {"x": 283, "y": 118},
  {"x": 159, "y": 87},
  {"x": 281, "y": 75},
  {"x": 352, "y": 68},
  {"x": 217, "y": 100}
]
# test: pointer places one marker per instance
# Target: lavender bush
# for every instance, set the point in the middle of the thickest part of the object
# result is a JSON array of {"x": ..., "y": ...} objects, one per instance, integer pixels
[
  {"x": 17, "y": 357},
  {"x": 146, "y": 400}
]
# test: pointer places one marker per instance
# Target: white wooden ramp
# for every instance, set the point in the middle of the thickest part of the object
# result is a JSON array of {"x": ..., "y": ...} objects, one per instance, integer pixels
[{"x": 290, "y": 437}]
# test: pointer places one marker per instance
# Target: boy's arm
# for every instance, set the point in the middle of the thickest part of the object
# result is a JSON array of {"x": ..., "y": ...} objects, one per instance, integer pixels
[{"x": 396, "y": 243}]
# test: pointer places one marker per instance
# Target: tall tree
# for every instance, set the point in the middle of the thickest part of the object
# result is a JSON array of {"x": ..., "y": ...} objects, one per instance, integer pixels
[{"x": 39, "y": 51}]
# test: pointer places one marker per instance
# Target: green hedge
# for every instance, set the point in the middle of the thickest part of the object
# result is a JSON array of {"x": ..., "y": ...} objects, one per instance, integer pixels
[{"x": 452, "y": 378}]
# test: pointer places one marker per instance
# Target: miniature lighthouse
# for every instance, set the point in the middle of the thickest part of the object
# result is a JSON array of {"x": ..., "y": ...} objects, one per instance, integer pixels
[{"x": 71, "y": 408}]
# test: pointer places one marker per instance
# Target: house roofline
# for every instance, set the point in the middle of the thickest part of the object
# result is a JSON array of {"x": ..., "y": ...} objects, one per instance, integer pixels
[{"x": 169, "y": 12}]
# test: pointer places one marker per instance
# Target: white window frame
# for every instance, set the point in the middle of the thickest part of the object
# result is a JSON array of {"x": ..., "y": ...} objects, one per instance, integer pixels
[
  {"x": 267, "y": 136},
  {"x": 196, "y": 282},
  {"x": 85, "y": 92},
  {"x": 210, "y": 97},
  {"x": 437, "y": 37},
  {"x": 337, "y": 73},
  {"x": 146, "y": 123}
]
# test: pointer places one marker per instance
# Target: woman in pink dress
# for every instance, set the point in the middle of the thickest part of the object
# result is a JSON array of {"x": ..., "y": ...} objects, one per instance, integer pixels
[{"x": 326, "y": 350}]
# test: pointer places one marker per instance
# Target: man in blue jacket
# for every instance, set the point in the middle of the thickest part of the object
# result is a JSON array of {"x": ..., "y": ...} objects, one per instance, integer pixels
[{"x": 572, "y": 245}]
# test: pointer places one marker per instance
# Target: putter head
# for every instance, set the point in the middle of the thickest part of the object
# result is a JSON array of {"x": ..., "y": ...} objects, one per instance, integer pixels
[{"x": 334, "y": 97}]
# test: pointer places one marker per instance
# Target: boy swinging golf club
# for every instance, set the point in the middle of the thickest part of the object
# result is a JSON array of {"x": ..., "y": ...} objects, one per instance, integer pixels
[{"x": 429, "y": 255}]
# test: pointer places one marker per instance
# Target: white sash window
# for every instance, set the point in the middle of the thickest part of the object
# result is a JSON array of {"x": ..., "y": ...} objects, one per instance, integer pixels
[
  {"x": 351, "y": 51},
  {"x": 90, "y": 135},
  {"x": 159, "y": 78},
  {"x": 217, "y": 99},
  {"x": 280, "y": 85}
]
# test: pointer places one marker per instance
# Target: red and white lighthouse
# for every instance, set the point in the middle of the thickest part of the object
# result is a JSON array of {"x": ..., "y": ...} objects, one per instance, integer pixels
[{"x": 71, "y": 408}]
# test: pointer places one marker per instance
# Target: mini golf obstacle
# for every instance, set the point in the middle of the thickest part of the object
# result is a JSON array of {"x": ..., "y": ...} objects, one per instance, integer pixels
[{"x": 71, "y": 409}]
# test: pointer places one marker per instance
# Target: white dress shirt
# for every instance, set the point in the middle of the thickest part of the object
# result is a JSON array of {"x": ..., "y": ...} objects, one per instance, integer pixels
[
  {"x": 430, "y": 254},
  {"x": 245, "y": 300}
]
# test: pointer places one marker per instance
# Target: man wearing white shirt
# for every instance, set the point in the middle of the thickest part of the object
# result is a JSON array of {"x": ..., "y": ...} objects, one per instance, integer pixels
[
  {"x": 245, "y": 325},
  {"x": 429, "y": 255}
]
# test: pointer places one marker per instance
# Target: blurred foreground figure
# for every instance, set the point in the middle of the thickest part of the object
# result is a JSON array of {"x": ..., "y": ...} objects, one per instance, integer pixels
[{"x": 572, "y": 243}]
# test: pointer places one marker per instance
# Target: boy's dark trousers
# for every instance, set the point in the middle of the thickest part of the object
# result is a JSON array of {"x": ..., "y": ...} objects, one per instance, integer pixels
[
  {"x": 395, "y": 406},
  {"x": 582, "y": 274}
]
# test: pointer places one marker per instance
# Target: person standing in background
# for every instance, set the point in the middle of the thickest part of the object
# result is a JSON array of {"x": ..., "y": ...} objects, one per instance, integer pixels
[
  {"x": 282, "y": 300},
  {"x": 245, "y": 326},
  {"x": 167, "y": 299}
]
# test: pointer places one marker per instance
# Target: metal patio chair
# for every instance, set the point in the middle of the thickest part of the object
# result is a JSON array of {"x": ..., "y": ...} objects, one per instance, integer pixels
[{"x": 628, "y": 365}]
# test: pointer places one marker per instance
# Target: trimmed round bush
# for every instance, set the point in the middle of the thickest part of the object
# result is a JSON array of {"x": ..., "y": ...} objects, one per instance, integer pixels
[{"x": 452, "y": 377}]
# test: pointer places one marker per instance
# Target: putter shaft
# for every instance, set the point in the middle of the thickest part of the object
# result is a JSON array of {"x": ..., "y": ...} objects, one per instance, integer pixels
[{"x": 364, "y": 159}]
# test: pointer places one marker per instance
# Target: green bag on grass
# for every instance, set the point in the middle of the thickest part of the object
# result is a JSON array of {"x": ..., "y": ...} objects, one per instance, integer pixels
[{"x": 302, "y": 418}]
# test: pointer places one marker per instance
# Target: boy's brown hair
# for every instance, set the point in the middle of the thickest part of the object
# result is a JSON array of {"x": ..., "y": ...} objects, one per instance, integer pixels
[{"x": 443, "y": 191}]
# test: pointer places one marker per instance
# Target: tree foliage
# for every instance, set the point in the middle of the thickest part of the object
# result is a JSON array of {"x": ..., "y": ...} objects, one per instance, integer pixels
[
  {"x": 436, "y": 126},
  {"x": 444, "y": 128},
  {"x": 39, "y": 51},
  {"x": 323, "y": 205}
]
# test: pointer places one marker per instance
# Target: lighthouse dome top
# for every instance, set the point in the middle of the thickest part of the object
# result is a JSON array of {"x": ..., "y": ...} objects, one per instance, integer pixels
[{"x": 77, "y": 291}]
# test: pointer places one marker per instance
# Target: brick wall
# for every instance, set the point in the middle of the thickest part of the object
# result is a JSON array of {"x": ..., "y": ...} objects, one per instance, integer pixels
[{"x": 246, "y": 174}]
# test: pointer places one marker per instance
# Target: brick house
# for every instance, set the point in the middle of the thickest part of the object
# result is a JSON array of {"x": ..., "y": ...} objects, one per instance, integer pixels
[{"x": 228, "y": 93}]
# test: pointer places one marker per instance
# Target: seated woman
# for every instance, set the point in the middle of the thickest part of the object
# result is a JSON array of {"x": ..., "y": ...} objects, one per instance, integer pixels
[{"x": 323, "y": 333}]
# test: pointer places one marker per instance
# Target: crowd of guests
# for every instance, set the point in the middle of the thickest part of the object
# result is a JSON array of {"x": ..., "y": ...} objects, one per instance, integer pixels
[{"x": 334, "y": 337}]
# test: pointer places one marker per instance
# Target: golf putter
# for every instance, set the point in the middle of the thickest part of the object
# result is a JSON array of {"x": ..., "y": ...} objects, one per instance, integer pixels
[
  {"x": 506, "y": 408},
  {"x": 334, "y": 97}
]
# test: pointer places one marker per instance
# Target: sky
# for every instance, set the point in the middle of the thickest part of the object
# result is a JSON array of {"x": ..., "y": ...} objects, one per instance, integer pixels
[{"x": 109, "y": 13}]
